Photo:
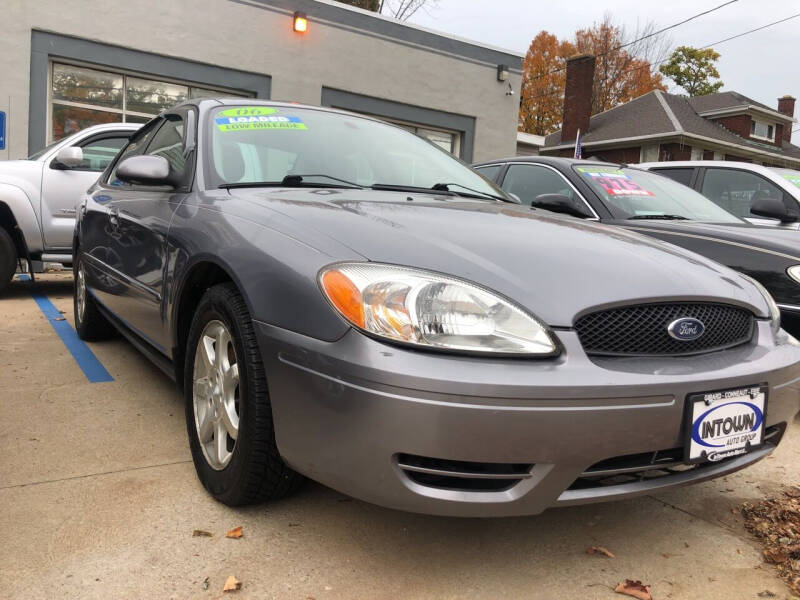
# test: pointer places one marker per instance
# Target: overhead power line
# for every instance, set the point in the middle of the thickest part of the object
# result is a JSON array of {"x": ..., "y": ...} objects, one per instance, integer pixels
[
  {"x": 644, "y": 37},
  {"x": 651, "y": 65}
]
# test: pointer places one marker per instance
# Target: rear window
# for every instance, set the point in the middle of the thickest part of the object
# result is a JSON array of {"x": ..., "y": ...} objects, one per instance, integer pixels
[{"x": 683, "y": 176}]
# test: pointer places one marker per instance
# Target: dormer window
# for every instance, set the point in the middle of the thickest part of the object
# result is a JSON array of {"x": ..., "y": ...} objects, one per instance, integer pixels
[{"x": 761, "y": 130}]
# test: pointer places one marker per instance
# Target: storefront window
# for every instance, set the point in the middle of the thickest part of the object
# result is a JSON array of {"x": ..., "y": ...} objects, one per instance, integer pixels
[{"x": 82, "y": 96}]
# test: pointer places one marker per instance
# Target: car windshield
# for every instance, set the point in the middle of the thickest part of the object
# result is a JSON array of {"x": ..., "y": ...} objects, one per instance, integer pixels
[
  {"x": 301, "y": 146},
  {"x": 789, "y": 175},
  {"x": 637, "y": 194}
]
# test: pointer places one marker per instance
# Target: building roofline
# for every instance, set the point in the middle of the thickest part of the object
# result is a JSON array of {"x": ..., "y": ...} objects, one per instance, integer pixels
[
  {"x": 365, "y": 22},
  {"x": 530, "y": 138},
  {"x": 668, "y": 134},
  {"x": 740, "y": 108}
]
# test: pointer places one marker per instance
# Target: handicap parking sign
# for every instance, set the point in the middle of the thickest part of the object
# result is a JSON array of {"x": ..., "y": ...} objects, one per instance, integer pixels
[{"x": 2, "y": 130}]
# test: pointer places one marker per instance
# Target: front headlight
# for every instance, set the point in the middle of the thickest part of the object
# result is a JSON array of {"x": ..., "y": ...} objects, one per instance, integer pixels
[
  {"x": 794, "y": 273},
  {"x": 432, "y": 310},
  {"x": 774, "y": 311}
]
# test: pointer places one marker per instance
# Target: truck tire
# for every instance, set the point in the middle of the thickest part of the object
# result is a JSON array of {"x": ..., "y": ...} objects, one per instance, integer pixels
[
  {"x": 8, "y": 259},
  {"x": 90, "y": 324}
]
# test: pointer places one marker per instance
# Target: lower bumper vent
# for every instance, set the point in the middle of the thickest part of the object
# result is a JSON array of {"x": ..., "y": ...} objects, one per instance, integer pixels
[
  {"x": 462, "y": 475},
  {"x": 634, "y": 468}
]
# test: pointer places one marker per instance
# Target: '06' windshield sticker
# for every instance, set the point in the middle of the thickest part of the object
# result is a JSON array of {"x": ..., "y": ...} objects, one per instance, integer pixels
[
  {"x": 614, "y": 181},
  {"x": 256, "y": 117}
]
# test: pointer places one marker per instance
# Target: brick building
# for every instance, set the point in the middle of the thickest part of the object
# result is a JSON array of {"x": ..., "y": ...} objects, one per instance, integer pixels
[{"x": 660, "y": 126}]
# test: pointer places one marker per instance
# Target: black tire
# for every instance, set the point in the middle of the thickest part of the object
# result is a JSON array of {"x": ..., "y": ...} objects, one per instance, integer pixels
[
  {"x": 8, "y": 259},
  {"x": 255, "y": 471},
  {"x": 90, "y": 324}
]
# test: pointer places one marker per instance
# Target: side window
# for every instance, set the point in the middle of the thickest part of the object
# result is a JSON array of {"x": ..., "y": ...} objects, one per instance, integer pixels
[
  {"x": 98, "y": 154},
  {"x": 683, "y": 176},
  {"x": 734, "y": 190},
  {"x": 530, "y": 181},
  {"x": 136, "y": 146},
  {"x": 490, "y": 171},
  {"x": 168, "y": 142}
]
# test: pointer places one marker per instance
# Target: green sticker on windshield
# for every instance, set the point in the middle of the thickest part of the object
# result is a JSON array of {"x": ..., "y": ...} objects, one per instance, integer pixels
[
  {"x": 792, "y": 178},
  {"x": 244, "y": 118},
  {"x": 605, "y": 170}
]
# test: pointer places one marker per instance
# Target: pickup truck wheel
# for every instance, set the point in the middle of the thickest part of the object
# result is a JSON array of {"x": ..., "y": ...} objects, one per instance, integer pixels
[
  {"x": 90, "y": 324},
  {"x": 8, "y": 259},
  {"x": 228, "y": 411}
]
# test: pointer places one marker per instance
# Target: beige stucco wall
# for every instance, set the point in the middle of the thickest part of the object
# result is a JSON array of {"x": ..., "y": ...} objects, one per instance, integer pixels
[{"x": 248, "y": 38}]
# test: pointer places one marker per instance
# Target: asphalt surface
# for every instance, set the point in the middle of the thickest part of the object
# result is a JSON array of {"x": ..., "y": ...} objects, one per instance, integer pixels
[{"x": 98, "y": 499}]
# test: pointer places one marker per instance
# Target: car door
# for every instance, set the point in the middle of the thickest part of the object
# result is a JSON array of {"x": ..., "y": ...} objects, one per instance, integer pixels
[
  {"x": 529, "y": 180},
  {"x": 62, "y": 186},
  {"x": 733, "y": 190},
  {"x": 133, "y": 244}
]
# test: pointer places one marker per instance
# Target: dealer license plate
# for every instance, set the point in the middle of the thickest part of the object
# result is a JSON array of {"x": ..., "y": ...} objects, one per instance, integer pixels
[{"x": 725, "y": 424}]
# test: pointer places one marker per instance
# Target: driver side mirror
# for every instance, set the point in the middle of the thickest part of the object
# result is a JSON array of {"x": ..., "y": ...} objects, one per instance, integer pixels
[
  {"x": 559, "y": 203},
  {"x": 145, "y": 170},
  {"x": 771, "y": 207},
  {"x": 68, "y": 157}
]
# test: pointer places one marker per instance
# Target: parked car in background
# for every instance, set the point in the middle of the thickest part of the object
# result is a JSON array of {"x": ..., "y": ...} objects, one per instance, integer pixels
[
  {"x": 761, "y": 195},
  {"x": 38, "y": 195},
  {"x": 343, "y": 299},
  {"x": 660, "y": 207}
]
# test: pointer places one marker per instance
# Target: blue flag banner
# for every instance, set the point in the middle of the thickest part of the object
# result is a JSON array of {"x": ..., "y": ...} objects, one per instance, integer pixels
[{"x": 578, "y": 148}]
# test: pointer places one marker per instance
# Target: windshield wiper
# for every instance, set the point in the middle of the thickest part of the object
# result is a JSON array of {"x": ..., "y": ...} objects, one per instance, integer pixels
[
  {"x": 294, "y": 181},
  {"x": 391, "y": 187},
  {"x": 662, "y": 217},
  {"x": 445, "y": 187}
]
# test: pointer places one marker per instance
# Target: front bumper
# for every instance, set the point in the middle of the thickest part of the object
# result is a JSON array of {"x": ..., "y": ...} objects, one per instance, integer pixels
[{"x": 349, "y": 414}]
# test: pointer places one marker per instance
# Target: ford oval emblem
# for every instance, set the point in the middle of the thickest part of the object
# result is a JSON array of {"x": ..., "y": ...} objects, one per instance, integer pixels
[{"x": 686, "y": 329}]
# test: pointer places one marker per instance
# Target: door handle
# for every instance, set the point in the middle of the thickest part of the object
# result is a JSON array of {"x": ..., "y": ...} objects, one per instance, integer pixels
[{"x": 113, "y": 217}]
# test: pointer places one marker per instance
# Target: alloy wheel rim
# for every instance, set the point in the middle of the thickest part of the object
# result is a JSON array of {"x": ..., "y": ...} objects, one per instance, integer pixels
[
  {"x": 215, "y": 394},
  {"x": 81, "y": 293}
]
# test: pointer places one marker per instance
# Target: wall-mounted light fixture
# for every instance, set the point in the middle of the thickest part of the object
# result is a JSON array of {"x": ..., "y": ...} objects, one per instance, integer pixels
[
  {"x": 502, "y": 72},
  {"x": 300, "y": 22}
]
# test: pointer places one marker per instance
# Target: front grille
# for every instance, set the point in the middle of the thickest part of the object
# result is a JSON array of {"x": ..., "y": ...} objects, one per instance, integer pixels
[
  {"x": 634, "y": 468},
  {"x": 642, "y": 330},
  {"x": 462, "y": 475}
]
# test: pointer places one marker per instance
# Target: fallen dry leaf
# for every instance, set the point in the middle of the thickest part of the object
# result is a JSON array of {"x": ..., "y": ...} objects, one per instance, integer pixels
[
  {"x": 201, "y": 533},
  {"x": 634, "y": 588},
  {"x": 600, "y": 550},
  {"x": 235, "y": 533},
  {"x": 205, "y": 583},
  {"x": 232, "y": 584}
]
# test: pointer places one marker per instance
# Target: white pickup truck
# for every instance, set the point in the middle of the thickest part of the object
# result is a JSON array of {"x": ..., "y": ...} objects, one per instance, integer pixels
[{"x": 38, "y": 195}]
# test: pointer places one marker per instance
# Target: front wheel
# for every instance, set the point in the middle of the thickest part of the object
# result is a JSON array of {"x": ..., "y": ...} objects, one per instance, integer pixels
[
  {"x": 8, "y": 259},
  {"x": 90, "y": 323},
  {"x": 228, "y": 412}
]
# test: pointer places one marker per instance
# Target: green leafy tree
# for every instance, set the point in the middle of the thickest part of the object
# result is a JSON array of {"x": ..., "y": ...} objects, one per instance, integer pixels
[{"x": 693, "y": 69}]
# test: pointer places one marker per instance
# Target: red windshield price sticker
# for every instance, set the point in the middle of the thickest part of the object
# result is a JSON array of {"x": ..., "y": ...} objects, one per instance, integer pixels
[{"x": 614, "y": 182}]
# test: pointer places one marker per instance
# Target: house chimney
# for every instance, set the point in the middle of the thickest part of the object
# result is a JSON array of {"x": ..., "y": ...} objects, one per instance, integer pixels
[
  {"x": 786, "y": 106},
  {"x": 577, "y": 96}
]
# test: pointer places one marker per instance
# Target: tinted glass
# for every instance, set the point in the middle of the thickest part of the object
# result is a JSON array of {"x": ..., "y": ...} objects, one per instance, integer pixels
[
  {"x": 490, "y": 172},
  {"x": 71, "y": 119},
  {"x": 734, "y": 190},
  {"x": 98, "y": 154},
  {"x": 168, "y": 142},
  {"x": 683, "y": 176},
  {"x": 148, "y": 96},
  {"x": 530, "y": 181},
  {"x": 264, "y": 144},
  {"x": 636, "y": 193},
  {"x": 87, "y": 86},
  {"x": 135, "y": 146}
]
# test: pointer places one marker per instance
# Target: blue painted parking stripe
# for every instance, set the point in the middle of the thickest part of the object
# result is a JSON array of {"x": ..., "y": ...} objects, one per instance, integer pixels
[{"x": 93, "y": 369}]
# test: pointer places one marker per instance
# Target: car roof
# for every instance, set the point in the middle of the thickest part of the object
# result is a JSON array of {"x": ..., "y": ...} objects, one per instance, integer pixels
[
  {"x": 547, "y": 160},
  {"x": 731, "y": 164}
]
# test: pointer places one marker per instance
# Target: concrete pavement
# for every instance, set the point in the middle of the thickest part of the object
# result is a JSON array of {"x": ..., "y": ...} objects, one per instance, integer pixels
[{"x": 98, "y": 499}]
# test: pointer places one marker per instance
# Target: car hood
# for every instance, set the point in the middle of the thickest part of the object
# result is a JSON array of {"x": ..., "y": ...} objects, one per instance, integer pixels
[
  {"x": 557, "y": 267},
  {"x": 759, "y": 238}
]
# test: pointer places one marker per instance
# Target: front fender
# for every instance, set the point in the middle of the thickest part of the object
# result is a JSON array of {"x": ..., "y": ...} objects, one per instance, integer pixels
[{"x": 22, "y": 208}]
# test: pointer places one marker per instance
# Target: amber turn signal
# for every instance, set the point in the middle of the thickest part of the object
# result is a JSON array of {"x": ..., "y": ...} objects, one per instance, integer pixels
[{"x": 344, "y": 295}]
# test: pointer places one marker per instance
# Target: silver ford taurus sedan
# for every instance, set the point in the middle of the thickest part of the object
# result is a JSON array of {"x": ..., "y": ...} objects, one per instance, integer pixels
[{"x": 340, "y": 299}]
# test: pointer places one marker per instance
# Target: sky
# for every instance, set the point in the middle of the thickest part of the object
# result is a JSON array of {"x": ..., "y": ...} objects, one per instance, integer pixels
[{"x": 763, "y": 65}]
